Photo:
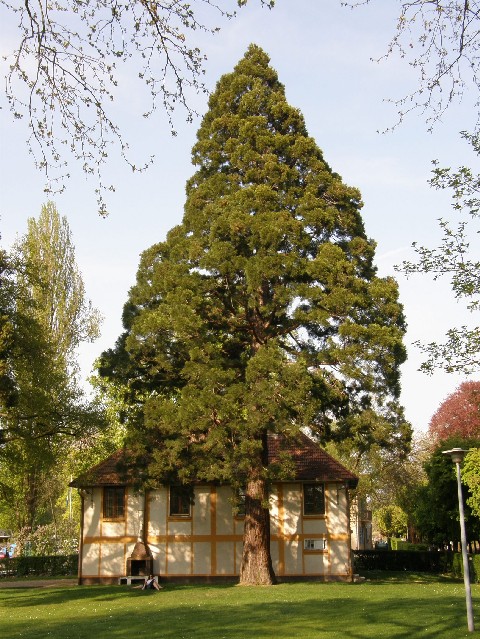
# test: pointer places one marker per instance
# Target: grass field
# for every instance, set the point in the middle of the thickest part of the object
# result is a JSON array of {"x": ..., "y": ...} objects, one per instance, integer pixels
[{"x": 413, "y": 607}]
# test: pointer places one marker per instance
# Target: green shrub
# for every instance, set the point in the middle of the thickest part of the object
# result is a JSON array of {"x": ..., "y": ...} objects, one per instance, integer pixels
[
  {"x": 475, "y": 568},
  {"x": 474, "y": 565}
]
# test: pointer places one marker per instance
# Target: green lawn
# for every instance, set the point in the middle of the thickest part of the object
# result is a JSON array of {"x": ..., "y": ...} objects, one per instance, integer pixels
[{"x": 397, "y": 607}]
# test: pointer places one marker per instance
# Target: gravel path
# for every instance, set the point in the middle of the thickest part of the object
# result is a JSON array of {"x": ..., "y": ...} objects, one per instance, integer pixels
[{"x": 38, "y": 583}]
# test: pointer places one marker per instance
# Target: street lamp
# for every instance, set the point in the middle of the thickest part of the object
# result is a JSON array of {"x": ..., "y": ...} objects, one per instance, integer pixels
[{"x": 457, "y": 455}]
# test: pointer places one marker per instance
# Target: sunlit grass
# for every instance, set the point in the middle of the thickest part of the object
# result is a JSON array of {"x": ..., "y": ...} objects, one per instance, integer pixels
[{"x": 397, "y": 607}]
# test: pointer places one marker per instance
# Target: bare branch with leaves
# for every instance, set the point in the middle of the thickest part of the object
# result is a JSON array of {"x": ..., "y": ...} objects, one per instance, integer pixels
[
  {"x": 440, "y": 40},
  {"x": 64, "y": 72}
]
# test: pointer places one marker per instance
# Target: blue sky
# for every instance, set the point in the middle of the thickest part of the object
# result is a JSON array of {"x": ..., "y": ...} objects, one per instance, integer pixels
[{"x": 323, "y": 55}]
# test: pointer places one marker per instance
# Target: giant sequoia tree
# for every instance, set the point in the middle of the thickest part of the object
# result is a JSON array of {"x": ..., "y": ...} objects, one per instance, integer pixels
[{"x": 260, "y": 313}]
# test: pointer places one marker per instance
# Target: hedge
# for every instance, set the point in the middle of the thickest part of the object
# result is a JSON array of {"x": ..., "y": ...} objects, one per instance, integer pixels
[
  {"x": 473, "y": 562},
  {"x": 410, "y": 560},
  {"x": 416, "y": 561},
  {"x": 55, "y": 565},
  {"x": 400, "y": 544}
]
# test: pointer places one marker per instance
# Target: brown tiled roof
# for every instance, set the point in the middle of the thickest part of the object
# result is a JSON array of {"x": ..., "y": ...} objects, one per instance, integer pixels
[
  {"x": 107, "y": 473},
  {"x": 311, "y": 463}
]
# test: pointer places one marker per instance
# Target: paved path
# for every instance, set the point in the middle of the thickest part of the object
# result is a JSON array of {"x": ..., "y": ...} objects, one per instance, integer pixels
[{"x": 38, "y": 583}]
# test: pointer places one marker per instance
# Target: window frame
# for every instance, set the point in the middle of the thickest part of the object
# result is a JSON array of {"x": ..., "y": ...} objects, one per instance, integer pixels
[
  {"x": 310, "y": 506},
  {"x": 314, "y": 545},
  {"x": 183, "y": 494},
  {"x": 113, "y": 507}
]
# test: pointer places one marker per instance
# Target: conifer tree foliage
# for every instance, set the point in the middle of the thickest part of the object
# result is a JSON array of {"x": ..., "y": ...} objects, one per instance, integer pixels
[{"x": 260, "y": 313}]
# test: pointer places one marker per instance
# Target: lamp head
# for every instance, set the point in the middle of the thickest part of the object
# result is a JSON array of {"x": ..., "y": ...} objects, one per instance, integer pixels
[{"x": 456, "y": 454}]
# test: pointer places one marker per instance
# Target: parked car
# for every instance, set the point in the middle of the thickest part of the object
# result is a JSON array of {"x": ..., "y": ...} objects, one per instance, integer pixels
[{"x": 381, "y": 545}]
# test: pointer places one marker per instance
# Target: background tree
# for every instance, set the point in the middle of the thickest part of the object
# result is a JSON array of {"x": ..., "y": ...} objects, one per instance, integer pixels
[
  {"x": 43, "y": 408},
  {"x": 436, "y": 513},
  {"x": 389, "y": 475},
  {"x": 471, "y": 477},
  {"x": 458, "y": 415},
  {"x": 54, "y": 287},
  {"x": 7, "y": 329},
  {"x": 391, "y": 521},
  {"x": 63, "y": 72},
  {"x": 261, "y": 314}
]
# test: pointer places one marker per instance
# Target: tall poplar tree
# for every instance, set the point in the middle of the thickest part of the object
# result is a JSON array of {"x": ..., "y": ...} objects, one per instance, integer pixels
[
  {"x": 44, "y": 316},
  {"x": 260, "y": 314},
  {"x": 53, "y": 285}
]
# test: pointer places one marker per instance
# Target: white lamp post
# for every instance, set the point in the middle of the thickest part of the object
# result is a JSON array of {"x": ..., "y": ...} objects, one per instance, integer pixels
[{"x": 457, "y": 455}]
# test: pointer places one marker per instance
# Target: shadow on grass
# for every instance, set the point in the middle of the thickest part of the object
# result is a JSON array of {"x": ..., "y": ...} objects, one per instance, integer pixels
[{"x": 355, "y": 612}]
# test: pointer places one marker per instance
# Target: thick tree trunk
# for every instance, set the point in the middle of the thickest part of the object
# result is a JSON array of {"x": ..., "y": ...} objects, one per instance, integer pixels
[{"x": 256, "y": 568}]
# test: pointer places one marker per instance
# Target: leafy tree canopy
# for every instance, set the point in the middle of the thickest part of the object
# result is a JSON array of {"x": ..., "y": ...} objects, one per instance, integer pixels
[
  {"x": 458, "y": 415},
  {"x": 471, "y": 477},
  {"x": 43, "y": 317},
  {"x": 391, "y": 521},
  {"x": 260, "y": 313},
  {"x": 436, "y": 515}
]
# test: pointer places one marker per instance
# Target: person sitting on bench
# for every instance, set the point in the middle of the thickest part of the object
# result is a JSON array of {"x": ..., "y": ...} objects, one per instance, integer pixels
[{"x": 151, "y": 582}]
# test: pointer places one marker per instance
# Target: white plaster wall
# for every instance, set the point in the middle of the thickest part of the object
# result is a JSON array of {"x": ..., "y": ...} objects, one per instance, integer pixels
[
  {"x": 113, "y": 560},
  {"x": 91, "y": 560},
  {"x": 238, "y": 556},
  {"x": 337, "y": 507},
  {"x": 201, "y": 511},
  {"x": 274, "y": 512},
  {"x": 225, "y": 558},
  {"x": 293, "y": 557},
  {"x": 292, "y": 506},
  {"x": 202, "y": 561},
  {"x": 179, "y": 558},
  {"x": 134, "y": 513},
  {"x": 316, "y": 525},
  {"x": 316, "y": 564},
  {"x": 92, "y": 510},
  {"x": 157, "y": 500},
  {"x": 113, "y": 528},
  {"x": 180, "y": 527},
  {"x": 159, "y": 553},
  {"x": 224, "y": 511},
  {"x": 339, "y": 557}
]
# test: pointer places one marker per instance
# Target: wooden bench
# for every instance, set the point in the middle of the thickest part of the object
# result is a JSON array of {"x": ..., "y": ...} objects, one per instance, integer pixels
[{"x": 129, "y": 580}]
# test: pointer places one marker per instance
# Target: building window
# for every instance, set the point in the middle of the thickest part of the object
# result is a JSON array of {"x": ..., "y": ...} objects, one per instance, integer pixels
[
  {"x": 315, "y": 544},
  {"x": 114, "y": 502},
  {"x": 313, "y": 499},
  {"x": 180, "y": 501}
]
